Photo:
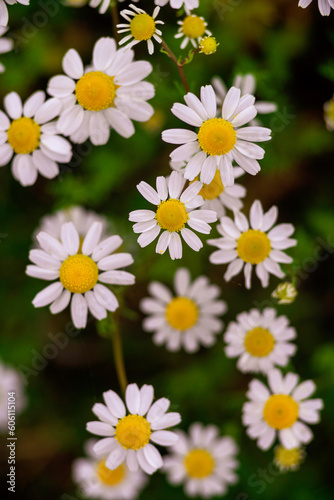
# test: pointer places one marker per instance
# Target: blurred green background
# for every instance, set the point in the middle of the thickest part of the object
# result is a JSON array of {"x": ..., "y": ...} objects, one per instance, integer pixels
[{"x": 290, "y": 51}]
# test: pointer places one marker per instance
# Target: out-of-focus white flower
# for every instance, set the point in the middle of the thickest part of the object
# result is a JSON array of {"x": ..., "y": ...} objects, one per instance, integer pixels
[
  {"x": 10, "y": 382},
  {"x": 325, "y": 6}
]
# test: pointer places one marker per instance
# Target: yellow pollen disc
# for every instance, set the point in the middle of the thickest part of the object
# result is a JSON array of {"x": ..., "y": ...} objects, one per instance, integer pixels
[
  {"x": 96, "y": 91},
  {"x": 142, "y": 27},
  {"x": 253, "y": 246},
  {"x": 110, "y": 477},
  {"x": 182, "y": 313},
  {"x": 133, "y": 432},
  {"x": 208, "y": 45},
  {"x": 199, "y": 463},
  {"x": 213, "y": 190},
  {"x": 280, "y": 411},
  {"x": 172, "y": 215},
  {"x": 259, "y": 342},
  {"x": 193, "y": 27},
  {"x": 288, "y": 459},
  {"x": 78, "y": 273},
  {"x": 23, "y": 135},
  {"x": 217, "y": 137}
]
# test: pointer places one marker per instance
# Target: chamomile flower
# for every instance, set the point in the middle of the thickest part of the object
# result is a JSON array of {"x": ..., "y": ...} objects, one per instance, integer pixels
[
  {"x": 108, "y": 95},
  {"x": 6, "y": 45},
  {"x": 174, "y": 211},
  {"x": 244, "y": 247},
  {"x": 10, "y": 382},
  {"x": 208, "y": 45},
  {"x": 74, "y": 268},
  {"x": 102, "y": 4},
  {"x": 325, "y": 6},
  {"x": 203, "y": 461},
  {"x": 82, "y": 219},
  {"x": 192, "y": 29},
  {"x": 247, "y": 85},
  {"x": 187, "y": 319},
  {"x": 260, "y": 340},
  {"x": 95, "y": 480},
  {"x": 4, "y": 10},
  {"x": 329, "y": 114},
  {"x": 218, "y": 141},
  {"x": 288, "y": 460},
  {"x": 28, "y": 133},
  {"x": 142, "y": 27},
  {"x": 216, "y": 196},
  {"x": 281, "y": 410},
  {"x": 177, "y": 4},
  {"x": 128, "y": 436}
]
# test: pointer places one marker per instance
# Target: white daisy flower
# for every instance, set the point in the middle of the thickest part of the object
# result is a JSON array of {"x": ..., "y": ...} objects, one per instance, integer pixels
[
  {"x": 187, "y": 319},
  {"x": 325, "y": 6},
  {"x": 174, "y": 211},
  {"x": 288, "y": 460},
  {"x": 82, "y": 219},
  {"x": 260, "y": 341},
  {"x": 281, "y": 411},
  {"x": 74, "y": 268},
  {"x": 244, "y": 247},
  {"x": 127, "y": 436},
  {"x": 192, "y": 29},
  {"x": 142, "y": 27},
  {"x": 95, "y": 480},
  {"x": 10, "y": 382},
  {"x": 247, "y": 85},
  {"x": 285, "y": 293},
  {"x": 102, "y": 4},
  {"x": 329, "y": 114},
  {"x": 4, "y": 10},
  {"x": 177, "y": 4},
  {"x": 218, "y": 141},
  {"x": 203, "y": 461},
  {"x": 6, "y": 45},
  {"x": 28, "y": 133},
  {"x": 216, "y": 196},
  {"x": 109, "y": 94}
]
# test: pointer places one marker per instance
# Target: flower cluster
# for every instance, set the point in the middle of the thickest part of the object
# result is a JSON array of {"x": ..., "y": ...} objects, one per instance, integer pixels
[{"x": 84, "y": 261}]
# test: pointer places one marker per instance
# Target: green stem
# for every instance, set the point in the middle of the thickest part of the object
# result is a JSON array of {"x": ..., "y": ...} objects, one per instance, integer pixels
[
  {"x": 179, "y": 66},
  {"x": 118, "y": 355},
  {"x": 115, "y": 19}
]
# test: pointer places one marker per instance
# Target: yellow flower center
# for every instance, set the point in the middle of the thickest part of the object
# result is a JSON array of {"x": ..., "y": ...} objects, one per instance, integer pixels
[
  {"x": 199, "y": 463},
  {"x": 182, "y": 313},
  {"x": 288, "y": 459},
  {"x": 217, "y": 137},
  {"x": 23, "y": 135},
  {"x": 96, "y": 91},
  {"x": 78, "y": 273},
  {"x": 193, "y": 27},
  {"x": 259, "y": 342},
  {"x": 142, "y": 27},
  {"x": 280, "y": 411},
  {"x": 253, "y": 246},
  {"x": 110, "y": 477},
  {"x": 133, "y": 432},
  {"x": 208, "y": 45},
  {"x": 214, "y": 189},
  {"x": 172, "y": 215}
]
